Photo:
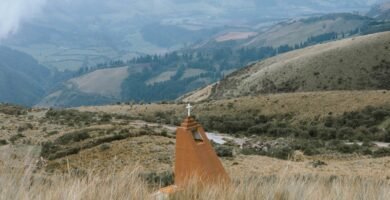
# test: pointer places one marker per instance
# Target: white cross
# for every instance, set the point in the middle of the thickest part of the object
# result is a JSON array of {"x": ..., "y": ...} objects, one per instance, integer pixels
[{"x": 189, "y": 109}]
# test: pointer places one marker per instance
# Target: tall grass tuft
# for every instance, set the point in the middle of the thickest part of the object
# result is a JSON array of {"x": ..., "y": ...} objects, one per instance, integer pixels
[{"x": 27, "y": 183}]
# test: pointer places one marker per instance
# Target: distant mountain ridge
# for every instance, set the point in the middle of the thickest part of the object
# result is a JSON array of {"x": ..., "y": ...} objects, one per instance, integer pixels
[
  {"x": 22, "y": 79},
  {"x": 76, "y": 34},
  {"x": 357, "y": 63},
  {"x": 293, "y": 32},
  {"x": 380, "y": 11},
  {"x": 167, "y": 77},
  {"x": 164, "y": 77}
]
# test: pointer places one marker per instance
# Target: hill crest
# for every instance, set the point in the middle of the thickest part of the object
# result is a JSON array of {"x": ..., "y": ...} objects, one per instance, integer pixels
[{"x": 351, "y": 64}]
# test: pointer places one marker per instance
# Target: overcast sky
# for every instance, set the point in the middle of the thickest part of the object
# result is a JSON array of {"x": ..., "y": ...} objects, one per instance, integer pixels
[{"x": 13, "y": 12}]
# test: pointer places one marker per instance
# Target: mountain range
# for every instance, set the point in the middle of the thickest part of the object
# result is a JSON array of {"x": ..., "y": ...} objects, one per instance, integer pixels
[
  {"x": 358, "y": 63},
  {"x": 70, "y": 35},
  {"x": 22, "y": 79},
  {"x": 168, "y": 76}
]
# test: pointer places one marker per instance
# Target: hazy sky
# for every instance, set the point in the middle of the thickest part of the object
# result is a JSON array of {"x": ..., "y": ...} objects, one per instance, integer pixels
[{"x": 15, "y": 12}]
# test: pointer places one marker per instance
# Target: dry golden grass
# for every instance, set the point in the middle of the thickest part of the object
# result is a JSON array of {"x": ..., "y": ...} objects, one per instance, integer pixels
[
  {"x": 341, "y": 165},
  {"x": 254, "y": 177},
  {"x": 150, "y": 153},
  {"x": 110, "y": 173},
  {"x": 304, "y": 105},
  {"x": 24, "y": 184}
]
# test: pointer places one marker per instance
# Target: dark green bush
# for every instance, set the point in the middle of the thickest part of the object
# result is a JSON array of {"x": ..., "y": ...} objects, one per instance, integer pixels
[
  {"x": 72, "y": 137},
  {"x": 162, "y": 179},
  {"x": 345, "y": 133},
  {"x": 48, "y": 148},
  {"x": 345, "y": 148},
  {"x": 16, "y": 137},
  {"x": 3, "y": 142},
  {"x": 71, "y": 117},
  {"x": 52, "y": 133},
  {"x": 104, "y": 146},
  {"x": 9, "y": 109},
  {"x": 106, "y": 118},
  {"x": 387, "y": 136},
  {"x": 63, "y": 153},
  {"x": 260, "y": 129},
  {"x": 224, "y": 151},
  {"x": 382, "y": 152}
]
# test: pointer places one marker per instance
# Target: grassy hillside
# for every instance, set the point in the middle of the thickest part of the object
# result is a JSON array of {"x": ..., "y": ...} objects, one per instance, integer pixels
[
  {"x": 301, "y": 119},
  {"x": 324, "y": 142},
  {"x": 297, "y": 32},
  {"x": 357, "y": 63},
  {"x": 168, "y": 76},
  {"x": 292, "y": 33},
  {"x": 102, "y": 86}
]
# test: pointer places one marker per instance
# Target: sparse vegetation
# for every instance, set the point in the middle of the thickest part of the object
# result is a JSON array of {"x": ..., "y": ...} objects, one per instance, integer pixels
[
  {"x": 157, "y": 180},
  {"x": 71, "y": 117},
  {"x": 9, "y": 109},
  {"x": 16, "y": 137},
  {"x": 223, "y": 150},
  {"x": 72, "y": 137},
  {"x": 272, "y": 135},
  {"x": 267, "y": 118}
]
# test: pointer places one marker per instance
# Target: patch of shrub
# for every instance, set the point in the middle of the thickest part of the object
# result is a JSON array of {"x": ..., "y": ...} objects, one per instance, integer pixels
[
  {"x": 281, "y": 153},
  {"x": 381, "y": 152},
  {"x": 16, "y": 137},
  {"x": 260, "y": 129},
  {"x": 9, "y": 109},
  {"x": 106, "y": 118},
  {"x": 3, "y": 142},
  {"x": 345, "y": 133},
  {"x": 72, "y": 137},
  {"x": 25, "y": 127},
  {"x": 318, "y": 163},
  {"x": 162, "y": 179},
  {"x": 71, "y": 117},
  {"x": 250, "y": 151},
  {"x": 309, "y": 147},
  {"x": 224, "y": 151},
  {"x": 104, "y": 146},
  {"x": 52, "y": 133},
  {"x": 387, "y": 136},
  {"x": 346, "y": 148},
  {"x": 48, "y": 148},
  {"x": 164, "y": 133},
  {"x": 63, "y": 153}
]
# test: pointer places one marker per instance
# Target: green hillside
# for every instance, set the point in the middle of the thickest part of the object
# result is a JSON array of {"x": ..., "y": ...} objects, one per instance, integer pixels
[{"x": 22, "y": 79}]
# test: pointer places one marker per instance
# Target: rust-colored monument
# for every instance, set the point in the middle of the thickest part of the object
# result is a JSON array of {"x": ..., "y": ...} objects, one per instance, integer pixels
[{"x": 195, "y": 157}]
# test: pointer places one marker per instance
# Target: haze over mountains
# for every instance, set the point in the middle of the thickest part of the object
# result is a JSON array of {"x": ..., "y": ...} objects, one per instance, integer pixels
[
  {"x": 71, "y": 34},
  {"x": 118, "y": 48},
  {"x": 22, "y": 79}
]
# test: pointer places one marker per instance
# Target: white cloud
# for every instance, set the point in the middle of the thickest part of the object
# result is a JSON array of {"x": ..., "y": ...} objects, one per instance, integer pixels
[{"x": 14, "y": 12}]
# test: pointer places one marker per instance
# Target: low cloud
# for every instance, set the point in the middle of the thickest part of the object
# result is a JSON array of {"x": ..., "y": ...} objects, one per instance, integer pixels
[{"x": 14, "y": 12}]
